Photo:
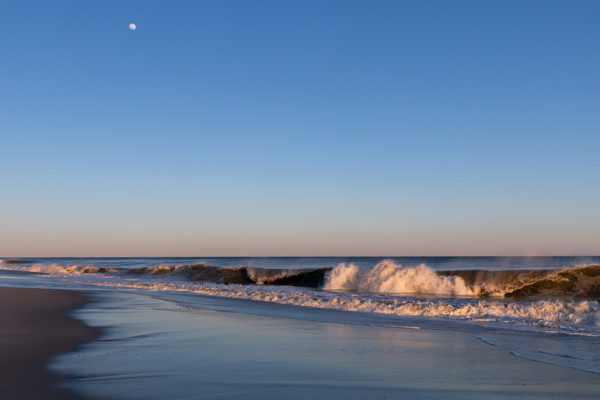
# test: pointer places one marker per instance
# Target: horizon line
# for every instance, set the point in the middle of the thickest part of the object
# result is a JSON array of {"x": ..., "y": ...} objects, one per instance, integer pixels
[{"x": 2, "y": 258}]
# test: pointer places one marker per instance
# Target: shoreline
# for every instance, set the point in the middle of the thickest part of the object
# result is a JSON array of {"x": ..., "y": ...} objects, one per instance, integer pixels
[
  {"x": 180, "y": 346},
  {"x": 35, "y": 326}
]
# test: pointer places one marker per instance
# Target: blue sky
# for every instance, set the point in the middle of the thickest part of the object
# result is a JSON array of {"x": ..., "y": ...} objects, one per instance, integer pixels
[{"x": 299, "y": 128}]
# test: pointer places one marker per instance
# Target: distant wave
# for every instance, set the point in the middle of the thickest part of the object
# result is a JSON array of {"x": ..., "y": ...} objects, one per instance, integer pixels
[
  {"x": 195, "y": 273},
  {"x": 14, "y": 261},
  {"x": 243, "y": 275},
  {"x": 385, "y": 278}
]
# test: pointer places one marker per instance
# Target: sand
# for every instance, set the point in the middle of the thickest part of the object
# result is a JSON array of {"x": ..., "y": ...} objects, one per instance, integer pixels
[{"x": 34, "y": 327}]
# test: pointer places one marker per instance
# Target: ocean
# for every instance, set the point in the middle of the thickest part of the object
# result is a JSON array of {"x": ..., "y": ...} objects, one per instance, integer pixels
[{"x": 273, "y": 321}]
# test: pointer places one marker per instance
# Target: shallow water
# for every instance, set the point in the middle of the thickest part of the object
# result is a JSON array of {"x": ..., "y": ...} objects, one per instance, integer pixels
[{"x": 180, "y": 346}]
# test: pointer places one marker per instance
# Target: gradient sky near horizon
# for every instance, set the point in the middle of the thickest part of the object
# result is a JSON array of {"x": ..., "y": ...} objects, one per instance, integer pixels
[{"x": 256, "y": 128}]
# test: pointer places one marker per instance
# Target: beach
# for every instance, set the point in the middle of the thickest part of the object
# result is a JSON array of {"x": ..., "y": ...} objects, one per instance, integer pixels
[
  {"x": 183, "y": 329},
  {"x": 35, "y": 326},
  {"x": 299, "y": 200}
]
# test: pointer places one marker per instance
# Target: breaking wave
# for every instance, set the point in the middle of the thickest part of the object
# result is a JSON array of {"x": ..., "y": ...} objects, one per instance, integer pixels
[
  {"x": 390, "y": 278},
  {"x": 195, "y": 273},
  {"x": 580, "y": 283},
  {"x": 563, "y": 301}
]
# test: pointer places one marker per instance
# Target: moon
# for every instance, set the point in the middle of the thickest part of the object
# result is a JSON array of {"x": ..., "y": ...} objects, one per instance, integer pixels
[{"x": 132, "y": 27}]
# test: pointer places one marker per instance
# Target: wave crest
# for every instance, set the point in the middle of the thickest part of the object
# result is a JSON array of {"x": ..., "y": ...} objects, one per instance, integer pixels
[
  {"x": 580, "y": 282},
  {"x": 385, "y": 278},
  {"x": 390, "y": 278},
  {"x": 55, "y": 268},
  {"x": 195, "y": 273}
]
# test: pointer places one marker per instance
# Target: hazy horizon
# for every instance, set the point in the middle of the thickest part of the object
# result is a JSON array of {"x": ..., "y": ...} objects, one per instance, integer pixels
[{"x": 382, "y": 256}]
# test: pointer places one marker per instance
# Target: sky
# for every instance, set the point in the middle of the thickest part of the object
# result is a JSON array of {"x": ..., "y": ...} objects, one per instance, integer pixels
[{"x": 298, "y": 128}]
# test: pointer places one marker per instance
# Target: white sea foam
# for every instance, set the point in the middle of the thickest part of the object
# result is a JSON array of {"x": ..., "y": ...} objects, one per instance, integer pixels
[
  {"x": 390, "y": 278},
  {"x": 262, "y": 276},
  {"x": 53, "y": 268},
  {"x": 568, "y": 316},
  {"x": 385, "y": 278},
  {"x": 43, "y": 268},
  {"x": 350, "y": 289}
]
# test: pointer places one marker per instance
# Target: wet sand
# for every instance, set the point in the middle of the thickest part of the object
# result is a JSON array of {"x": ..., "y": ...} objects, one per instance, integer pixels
[{"x": 34, "y": 327}]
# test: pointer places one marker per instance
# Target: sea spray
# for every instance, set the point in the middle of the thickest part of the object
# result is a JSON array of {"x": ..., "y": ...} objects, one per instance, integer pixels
[
  {"x": 386, "y": 289},
  {"x": 390, "y": 278},
  {"x": 580, "y": 282}
]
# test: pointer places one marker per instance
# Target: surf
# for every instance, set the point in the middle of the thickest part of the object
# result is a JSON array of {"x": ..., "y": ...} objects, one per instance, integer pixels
[{"x": 386, "y": 277}]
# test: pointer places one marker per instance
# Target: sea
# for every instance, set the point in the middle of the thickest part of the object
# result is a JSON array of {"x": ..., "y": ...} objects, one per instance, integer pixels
[{"x": 165, "y": 317}]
